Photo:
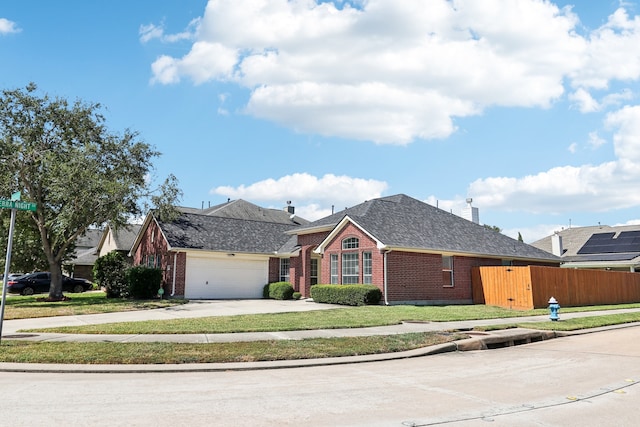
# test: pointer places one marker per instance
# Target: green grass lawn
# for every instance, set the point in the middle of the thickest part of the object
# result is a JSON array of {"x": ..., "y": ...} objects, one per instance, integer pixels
[
  {"x": 353, "y": 317},
  {"x": 28, "y": 307},
  {"x": 161, "y": 353}
]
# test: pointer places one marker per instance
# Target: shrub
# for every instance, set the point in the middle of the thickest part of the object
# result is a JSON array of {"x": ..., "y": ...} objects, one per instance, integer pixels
[
  {"x": 109, "y": 272},
  {"x": 144, "y": 282},
  {"x": 346, "y": 294},
  {"x": 297, "y": 295},
  {"x": 278, "y": 290}
]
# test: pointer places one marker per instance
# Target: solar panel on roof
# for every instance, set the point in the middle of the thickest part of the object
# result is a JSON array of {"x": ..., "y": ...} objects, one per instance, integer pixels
[{"x": 626, "y": 241}]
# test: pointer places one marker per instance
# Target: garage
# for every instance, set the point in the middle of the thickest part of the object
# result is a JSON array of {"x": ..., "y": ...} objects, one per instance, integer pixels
[{"x": 228, "y": 277}]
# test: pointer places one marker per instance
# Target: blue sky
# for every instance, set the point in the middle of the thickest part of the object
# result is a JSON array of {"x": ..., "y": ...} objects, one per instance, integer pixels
[{"x": 530, "y": 107}]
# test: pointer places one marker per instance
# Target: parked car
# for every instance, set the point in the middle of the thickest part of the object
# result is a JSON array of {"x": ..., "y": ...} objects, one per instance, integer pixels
[
  {"x": 12, "y": 276},
  {"x": 41, "y": 281}
]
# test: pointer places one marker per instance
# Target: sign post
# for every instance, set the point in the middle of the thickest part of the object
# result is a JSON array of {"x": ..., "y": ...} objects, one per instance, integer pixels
[{"x": 14, "y": 204}]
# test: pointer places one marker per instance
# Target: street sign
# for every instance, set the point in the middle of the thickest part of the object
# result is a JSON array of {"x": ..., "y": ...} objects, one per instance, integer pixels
[{"x": 16, "y": 204}]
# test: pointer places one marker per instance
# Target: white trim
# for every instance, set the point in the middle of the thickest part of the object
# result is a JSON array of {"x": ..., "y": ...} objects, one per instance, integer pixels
[{"x": 338, "y": 228}]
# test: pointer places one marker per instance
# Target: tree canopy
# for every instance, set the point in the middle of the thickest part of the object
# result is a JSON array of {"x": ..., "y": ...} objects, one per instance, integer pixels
[{"x": 61, "y": 156}]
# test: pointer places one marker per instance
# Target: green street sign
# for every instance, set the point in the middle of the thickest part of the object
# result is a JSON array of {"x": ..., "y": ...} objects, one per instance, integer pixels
[{"x": 16, "y": 204}]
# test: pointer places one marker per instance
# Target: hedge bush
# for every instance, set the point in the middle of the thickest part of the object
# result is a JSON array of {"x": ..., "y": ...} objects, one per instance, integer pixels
[
  {"x": 278, "y": 290},
  {"x": 109, "y": 272},
  {"x": 144, "y": 282},
  {"x": 346, "y": 294}
]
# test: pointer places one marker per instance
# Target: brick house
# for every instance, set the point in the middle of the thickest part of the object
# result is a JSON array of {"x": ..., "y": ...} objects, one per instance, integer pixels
[
  {"x": 222, "y": 252},
  {"x": 412, "y": 251}
]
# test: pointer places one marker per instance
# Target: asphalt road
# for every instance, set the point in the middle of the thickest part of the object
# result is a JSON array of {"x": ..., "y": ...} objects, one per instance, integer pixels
[{"x": 586, "y": 380}]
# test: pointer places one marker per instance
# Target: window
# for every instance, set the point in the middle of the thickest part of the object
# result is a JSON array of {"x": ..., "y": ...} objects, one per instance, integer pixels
[
  {"x": 366, "y": 268},
  {"x": 334, "y": 269},
  {"x": 313, "y": 271},
  {"x": 151, "y": 261},
  {"x": 351, "y": 243},
  {"x": 447, "y": 271},
  {"x": 284, "y": 269},
  {"x": 350, "y": 271}
]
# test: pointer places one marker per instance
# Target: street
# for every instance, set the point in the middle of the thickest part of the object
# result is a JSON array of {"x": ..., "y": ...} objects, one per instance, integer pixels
[{"x": 585, "y": 380}]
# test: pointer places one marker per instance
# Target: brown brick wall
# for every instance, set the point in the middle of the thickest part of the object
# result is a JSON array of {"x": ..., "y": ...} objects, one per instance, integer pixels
[{"x": 153, "y": 243}]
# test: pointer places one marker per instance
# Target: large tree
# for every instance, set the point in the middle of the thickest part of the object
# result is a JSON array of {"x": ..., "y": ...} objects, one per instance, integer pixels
[{"x": 61, "y": 156}]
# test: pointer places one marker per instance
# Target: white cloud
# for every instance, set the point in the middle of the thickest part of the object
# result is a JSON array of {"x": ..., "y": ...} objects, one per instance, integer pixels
[
  {"x": 586, "y": 103},
  {"x": 573, "y": 147},
  {"x": 389, "y": 72},
  {"x": 612, "y": 53},
  {"x": 308, "y": 192},
  {"x": 150, "y": 32},
  {"x": 8, "y": 27},
  {"x": 603, "y": 187},
  {"x": 595, "y": 140}
]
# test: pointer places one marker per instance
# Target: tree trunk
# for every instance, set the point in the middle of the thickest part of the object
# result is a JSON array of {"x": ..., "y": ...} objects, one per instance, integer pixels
[{"x": 55, "y": 289}]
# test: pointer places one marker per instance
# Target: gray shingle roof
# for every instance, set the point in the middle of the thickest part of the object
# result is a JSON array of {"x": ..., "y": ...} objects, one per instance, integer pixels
[
  {"x": 125, "y": 236},
  {"x": 403, "y": 222},
  {"x": 214, "y": 233},
  {"x": 241, "y": 209}
]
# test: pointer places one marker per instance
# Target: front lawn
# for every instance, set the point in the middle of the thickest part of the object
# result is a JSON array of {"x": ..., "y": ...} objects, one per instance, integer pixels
[
  {"x": 169, "y": 353},
  {"x": 28, "y": 307},
  {"x": 353, "y": 317}
]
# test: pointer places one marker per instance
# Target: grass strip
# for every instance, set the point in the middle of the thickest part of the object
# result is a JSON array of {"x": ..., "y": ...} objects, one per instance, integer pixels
[
  {"x": 571, "y": 324},
  {"x": 176, "y": 353},
  {"x": 354, "y": 317}
]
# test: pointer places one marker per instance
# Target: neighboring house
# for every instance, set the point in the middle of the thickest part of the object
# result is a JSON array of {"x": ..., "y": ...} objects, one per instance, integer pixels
[
  {"x": 225, "y": 251},
  {"x": 85, "y": 255},
  {"x": 412, "y": 251},
  {"x": 120, "y": 239},
  {"x": 597, "y": 247}
]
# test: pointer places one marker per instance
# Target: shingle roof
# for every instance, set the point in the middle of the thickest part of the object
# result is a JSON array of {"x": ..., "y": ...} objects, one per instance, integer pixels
[
  {"x": 213, "y": 233},
  {"x": 241, "y": 209},
  {"x": 125, "y": 236},
  {"x": 403, "y": 222}
]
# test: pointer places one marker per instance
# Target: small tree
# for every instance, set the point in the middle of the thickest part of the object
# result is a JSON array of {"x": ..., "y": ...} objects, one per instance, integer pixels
[{"x": 109, "y": 272}]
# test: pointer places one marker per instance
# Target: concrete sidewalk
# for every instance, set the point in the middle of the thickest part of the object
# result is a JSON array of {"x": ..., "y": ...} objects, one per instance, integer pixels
[{"x": 479, "y": 340}]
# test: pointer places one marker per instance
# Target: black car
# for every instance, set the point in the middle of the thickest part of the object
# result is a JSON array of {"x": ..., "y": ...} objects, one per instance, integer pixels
[{"x": 40, "y": 282}]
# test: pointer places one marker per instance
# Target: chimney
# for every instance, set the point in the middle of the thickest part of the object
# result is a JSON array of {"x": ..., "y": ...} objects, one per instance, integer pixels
[
  {"x": 556, "y": 244},
  {"x": 290, "y": 209},
  {"x": 470, "y": 213}
]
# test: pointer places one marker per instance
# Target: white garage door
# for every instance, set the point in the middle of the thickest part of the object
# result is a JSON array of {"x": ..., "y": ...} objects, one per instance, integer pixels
[{"x": 222, "y": 278}]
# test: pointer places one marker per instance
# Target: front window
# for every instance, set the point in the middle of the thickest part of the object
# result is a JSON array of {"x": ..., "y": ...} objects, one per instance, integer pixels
[
  {"x": 334, "y": 269},
  {"x": 284, "y": 269},
  {"x": 447, "y": 271},
  {"x": 366, "y": 268},
  {"x": 350, "y": 271},
  {"x": 313, "y": 273},
  {"x": 351, "y": 243}
]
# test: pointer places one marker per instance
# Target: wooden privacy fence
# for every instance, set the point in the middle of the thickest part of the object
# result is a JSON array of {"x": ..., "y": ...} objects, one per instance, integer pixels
[{"x": 524, "y": 288}]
